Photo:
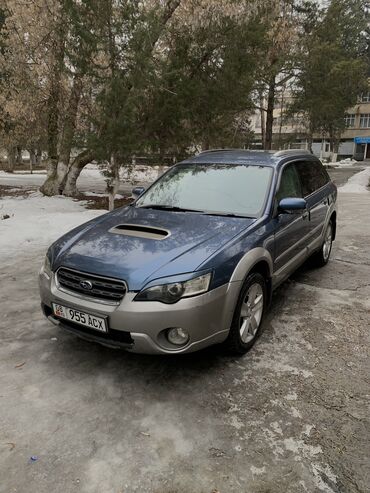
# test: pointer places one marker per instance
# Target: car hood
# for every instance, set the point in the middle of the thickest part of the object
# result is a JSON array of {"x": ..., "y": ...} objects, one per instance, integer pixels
[{"x": 191, "y": 239}]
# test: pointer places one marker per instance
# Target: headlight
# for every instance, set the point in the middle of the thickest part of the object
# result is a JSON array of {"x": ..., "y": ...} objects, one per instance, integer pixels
[
  {"x": 47, "y": 266},
  {"x": 170, "y": 293}
]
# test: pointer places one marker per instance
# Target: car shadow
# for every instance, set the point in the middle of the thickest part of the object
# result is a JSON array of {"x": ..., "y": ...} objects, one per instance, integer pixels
[{"x": 77, "y": 355}]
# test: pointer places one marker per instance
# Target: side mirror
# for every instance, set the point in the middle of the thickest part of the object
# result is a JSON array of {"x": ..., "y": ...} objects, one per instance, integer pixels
[
  {"x": 292, "y": 204},
  {"x": 137, "y": 191}
]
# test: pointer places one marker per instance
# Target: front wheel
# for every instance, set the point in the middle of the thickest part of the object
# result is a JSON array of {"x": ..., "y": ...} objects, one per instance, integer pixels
[
  {"x": 321, "y": 257},
  {"x": 248, "y": 315}
]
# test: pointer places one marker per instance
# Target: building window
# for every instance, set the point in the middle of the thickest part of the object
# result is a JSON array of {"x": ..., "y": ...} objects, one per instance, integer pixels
[
  {"x": 365, "y": 97},
  {"x": 349, "y": 120},
  {"x": 365, "y": 120}
]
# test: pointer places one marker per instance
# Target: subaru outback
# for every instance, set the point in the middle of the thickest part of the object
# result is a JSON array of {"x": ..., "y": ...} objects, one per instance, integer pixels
[{"x": 194, "y": 259}]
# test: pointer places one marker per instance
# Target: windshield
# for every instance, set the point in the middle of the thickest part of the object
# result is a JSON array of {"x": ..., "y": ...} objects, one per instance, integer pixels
[{"x": 236, "y": 189}]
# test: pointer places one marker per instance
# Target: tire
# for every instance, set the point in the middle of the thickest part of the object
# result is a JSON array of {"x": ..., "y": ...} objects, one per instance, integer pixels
[
  {"x": 321, "y": 257},
  {"x": 240, "y": 339}
]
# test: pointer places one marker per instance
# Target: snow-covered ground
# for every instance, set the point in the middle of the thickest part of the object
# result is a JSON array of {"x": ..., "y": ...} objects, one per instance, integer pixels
[
  {"x": 344, "y": 163},
  {"x": 36, "y": 221},
  {"x": 358, "y": 183},
  {"x": 91, "y": 178}
]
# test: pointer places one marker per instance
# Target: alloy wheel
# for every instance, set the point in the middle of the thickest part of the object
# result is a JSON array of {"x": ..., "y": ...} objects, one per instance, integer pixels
[
  {"x": 251, "y": 313},
  {"x": 328, "y": 240}
]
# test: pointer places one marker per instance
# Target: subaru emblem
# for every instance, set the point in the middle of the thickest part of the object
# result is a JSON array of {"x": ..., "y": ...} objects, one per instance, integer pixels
[{"x": 86, "y": 285}]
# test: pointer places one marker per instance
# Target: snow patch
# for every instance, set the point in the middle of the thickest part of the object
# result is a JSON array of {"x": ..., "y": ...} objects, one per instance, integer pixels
[
  {"x": 295, "y": 413},
  {"x": 358, "y": 183},
  {"x": 235, "y": 422},
  {"x": 97, "y": 194},
  {"x": 36, "y": 221},
  {"x": 258, "y": 471},
  {"x": 292, "y": 396},
  {"x": 319, "y": 472},
  {"x": 307, "y": 430},
  {"x": 276, "y": 427},
  {"x": 343, "y": 163},
  {"x": 299, "y": 447},
  {"x": 280, "y": 367}
]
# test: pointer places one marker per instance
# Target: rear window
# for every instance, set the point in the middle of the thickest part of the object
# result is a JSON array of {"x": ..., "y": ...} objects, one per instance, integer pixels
[{"x": 313, "y": 176}]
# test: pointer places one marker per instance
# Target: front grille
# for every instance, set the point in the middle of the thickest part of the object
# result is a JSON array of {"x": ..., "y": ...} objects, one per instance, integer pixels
[{"x": 101, "y": 287}]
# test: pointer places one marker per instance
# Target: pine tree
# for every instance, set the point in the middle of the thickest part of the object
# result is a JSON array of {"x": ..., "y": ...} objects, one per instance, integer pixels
[{"x": 333, "y": 69}]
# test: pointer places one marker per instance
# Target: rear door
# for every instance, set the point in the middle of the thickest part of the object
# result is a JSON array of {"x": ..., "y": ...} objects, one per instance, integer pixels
[
  {"x": 314, "y": 179},
  {"x": 290, "y": 229}
]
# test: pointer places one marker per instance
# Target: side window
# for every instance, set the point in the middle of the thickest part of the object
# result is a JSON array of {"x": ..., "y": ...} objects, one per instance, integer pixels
[
  {"x": 313, "y": 176},
  {"x": 325, "y": 175},
  {"x": 290, "y": 185}
]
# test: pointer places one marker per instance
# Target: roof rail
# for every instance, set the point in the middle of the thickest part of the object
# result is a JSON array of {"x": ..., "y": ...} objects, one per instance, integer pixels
[
  {"x": 285, "y": 152},
  {"x": 232, "y": 149},
  {"x": 218, "y": 150},
  {"x": 274, "y": 153}
]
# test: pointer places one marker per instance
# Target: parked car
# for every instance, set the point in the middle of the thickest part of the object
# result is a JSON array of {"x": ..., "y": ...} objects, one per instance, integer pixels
[{"x": 193, "y": 261}]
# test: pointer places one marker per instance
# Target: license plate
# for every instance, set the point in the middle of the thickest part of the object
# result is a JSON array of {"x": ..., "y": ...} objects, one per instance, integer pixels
[{"x": 82, "y": 318}]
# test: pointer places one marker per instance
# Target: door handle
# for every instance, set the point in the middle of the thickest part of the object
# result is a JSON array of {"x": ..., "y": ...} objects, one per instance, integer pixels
[{"x": 305, "y": 215}]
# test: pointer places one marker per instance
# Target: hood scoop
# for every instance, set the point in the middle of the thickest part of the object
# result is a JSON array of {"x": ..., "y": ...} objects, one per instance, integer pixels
[{"x": 140, "y": 231}]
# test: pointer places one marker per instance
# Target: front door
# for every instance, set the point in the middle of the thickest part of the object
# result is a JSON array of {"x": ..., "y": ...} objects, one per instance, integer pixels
[
  {"x": 290, "y": 229},
  {"x": 313, "y": 179}
]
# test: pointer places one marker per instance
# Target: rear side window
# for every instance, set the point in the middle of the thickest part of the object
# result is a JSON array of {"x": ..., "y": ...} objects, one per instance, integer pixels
[
  {"x": 290, "y": 185},
  {"x": 313, "y": 176}
]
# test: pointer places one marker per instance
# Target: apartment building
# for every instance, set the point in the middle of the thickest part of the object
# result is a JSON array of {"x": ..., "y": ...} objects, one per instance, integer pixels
[
  {"x": 291, "y": 132},
  {"x": 358, "y": 127}
]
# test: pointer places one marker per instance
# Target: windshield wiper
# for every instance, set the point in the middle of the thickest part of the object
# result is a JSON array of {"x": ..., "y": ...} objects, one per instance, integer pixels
[
  {"x": 162, "y": 207},
  {"x": 227, "y": 214}
]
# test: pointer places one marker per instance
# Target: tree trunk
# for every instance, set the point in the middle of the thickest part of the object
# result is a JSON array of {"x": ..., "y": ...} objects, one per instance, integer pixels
[
  {"x": 334, "y": 147},
  {"x": 11, "y": 154},
  {"x": 50, "y": 186},
  {"x": 205, "y": 143},
  {"x": 113, "y": 181},
  {"x": 19, "y": 158},
  {"x": 80, "y": 161},
  {"x": 263, "y": 129},
  {"x": 262, "y": 118},
  {"x": 38, "y": 156},
  {"x": 282, "y": 100},
  {"x": 270, "y": 113},
  {"x": 309, "y": 142},
  {"x": 68, "y": 131},
  {"x": 32, "y": 159}
]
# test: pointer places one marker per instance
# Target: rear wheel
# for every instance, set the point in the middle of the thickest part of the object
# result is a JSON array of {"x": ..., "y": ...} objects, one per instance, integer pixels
[
  {"x": 248, "y": 315},
  {"x": 321, "y": 257}
]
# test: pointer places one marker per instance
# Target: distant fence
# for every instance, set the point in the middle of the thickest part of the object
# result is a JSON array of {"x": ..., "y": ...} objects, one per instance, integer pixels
[{"x": 23, "y": 166}]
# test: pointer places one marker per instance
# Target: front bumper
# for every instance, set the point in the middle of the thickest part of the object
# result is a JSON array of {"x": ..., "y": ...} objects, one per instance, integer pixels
[{"x": 139, "y": 326}]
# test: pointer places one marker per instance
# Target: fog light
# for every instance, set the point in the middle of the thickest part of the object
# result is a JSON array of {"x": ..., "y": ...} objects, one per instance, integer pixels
[{"x": 178, "y": 336}]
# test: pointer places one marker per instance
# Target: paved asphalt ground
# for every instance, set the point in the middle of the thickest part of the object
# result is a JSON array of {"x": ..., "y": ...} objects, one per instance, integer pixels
[{"x": 291, "y": 416}]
